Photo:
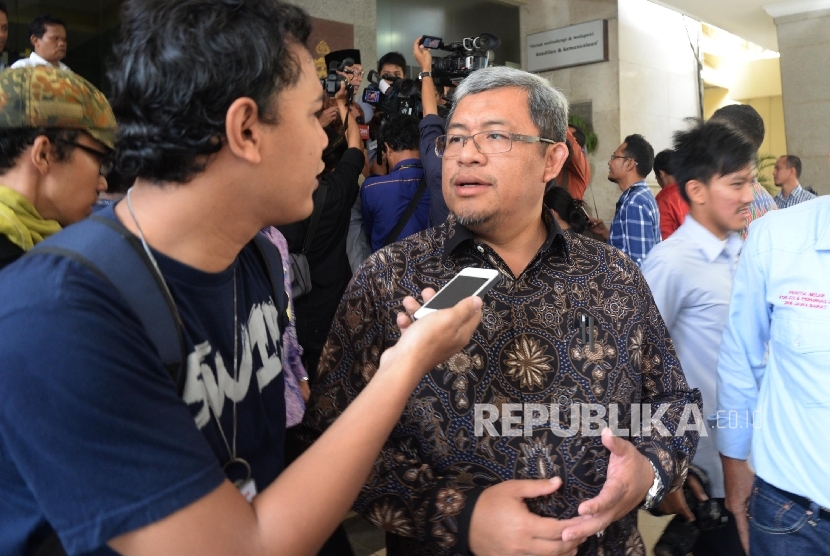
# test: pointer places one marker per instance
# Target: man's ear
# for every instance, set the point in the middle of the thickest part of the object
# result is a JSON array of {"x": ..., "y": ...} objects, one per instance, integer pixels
[
  {"x": 32, "y": 40},
  {"x": 42, "y": 154},
  {"x": 243, "y": 130},
  {"x": 555, "y": 157},
  {"x": 697, "y": 191}
]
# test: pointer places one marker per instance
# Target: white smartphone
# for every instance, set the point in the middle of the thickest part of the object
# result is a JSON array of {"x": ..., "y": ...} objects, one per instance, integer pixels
[{"x": 470, "y": 281}]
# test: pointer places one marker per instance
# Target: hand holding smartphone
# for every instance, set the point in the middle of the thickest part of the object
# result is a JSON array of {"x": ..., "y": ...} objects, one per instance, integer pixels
[
  {"x": 431, "y": 42},
  {"x": 470, "y": 281}
]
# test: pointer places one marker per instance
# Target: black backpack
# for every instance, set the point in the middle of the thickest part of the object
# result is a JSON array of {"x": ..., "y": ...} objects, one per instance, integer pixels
[{"x": 105, "y": 247}]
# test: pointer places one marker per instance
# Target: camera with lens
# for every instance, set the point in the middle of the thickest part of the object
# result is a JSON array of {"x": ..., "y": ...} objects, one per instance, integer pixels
[
  {"x": 680, "y": 536},
  {"x": 469, "y": 55},
  {"x": 331, "y": 83},
  {"x": 393, "y": 95}
]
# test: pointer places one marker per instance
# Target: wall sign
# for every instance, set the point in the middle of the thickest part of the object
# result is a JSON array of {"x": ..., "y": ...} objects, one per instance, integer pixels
[{"x": 575, "y": 45}]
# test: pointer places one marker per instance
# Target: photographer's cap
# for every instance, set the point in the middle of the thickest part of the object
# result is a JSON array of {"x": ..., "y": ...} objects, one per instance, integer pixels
[
  {"x": 340, "y": 55},
  {"x": 46, "y": 97}
]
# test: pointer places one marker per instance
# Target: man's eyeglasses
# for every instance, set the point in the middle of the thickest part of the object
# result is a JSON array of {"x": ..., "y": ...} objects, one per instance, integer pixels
[
  {"x": 613, "y": 156},
  {"x": 104, "y": 158},
  {"x": 487, "y": 142}
]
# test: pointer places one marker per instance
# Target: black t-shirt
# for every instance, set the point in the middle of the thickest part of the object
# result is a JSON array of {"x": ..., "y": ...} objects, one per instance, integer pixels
[
  {"x": 9, "y": 252},
  {"x": 327, "y": 258}
]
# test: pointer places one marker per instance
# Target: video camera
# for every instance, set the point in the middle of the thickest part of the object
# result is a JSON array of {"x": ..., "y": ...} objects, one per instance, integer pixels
[
  {"x": 331, "y": 83},
  {"x": 470, "y": 54},
  {"x": 402, "y": 96}
]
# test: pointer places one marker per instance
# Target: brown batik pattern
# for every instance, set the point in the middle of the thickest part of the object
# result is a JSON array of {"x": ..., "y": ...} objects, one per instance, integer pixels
[{"x": 527, "y": 349}]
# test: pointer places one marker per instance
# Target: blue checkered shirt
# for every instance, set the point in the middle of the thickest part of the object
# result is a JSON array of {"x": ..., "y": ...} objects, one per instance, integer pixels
[
  {"x": 798, "y": 195},
  {"x": 636, "y": 226}
]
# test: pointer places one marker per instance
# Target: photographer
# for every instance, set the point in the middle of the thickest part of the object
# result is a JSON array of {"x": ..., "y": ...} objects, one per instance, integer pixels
[
  {"x": 392, "y": 64},
  {"x": 396, "y": 205},
  {"x": 431, "y": 126},
  {"x": 326, "y": 253},
  {"x": 354, "y": 74}
]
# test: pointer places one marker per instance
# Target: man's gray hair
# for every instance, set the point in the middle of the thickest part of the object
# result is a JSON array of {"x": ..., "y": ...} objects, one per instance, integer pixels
[{"x": 548, "y": 107}]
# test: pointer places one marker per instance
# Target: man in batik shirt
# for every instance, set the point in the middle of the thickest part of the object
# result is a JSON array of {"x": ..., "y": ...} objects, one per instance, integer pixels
[{"x": 571, "y": 322}]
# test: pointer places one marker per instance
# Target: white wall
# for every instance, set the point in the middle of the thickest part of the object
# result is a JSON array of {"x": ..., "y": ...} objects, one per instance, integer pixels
[
  {"x": 648, "y": 86},
  {"x": 598, "y": 83},
  {"x": 658, "y": 73},
  {"x": 805, "y": 74}
]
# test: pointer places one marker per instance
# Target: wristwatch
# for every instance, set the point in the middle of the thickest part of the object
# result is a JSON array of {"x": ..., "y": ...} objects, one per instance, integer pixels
[
  {"x": 655, "y": 493},
  {"x": 424, "y": 74}
]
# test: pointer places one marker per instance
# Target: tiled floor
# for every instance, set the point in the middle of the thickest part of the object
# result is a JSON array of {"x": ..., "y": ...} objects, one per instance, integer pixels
[{"x": 367, "y": 540}]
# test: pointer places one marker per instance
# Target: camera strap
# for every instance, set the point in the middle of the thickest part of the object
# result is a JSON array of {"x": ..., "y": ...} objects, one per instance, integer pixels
[{"x": 410, "y": 210}]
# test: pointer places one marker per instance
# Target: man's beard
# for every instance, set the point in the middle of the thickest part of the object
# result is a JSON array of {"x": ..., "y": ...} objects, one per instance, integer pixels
[{"x": 473, "y": 222}]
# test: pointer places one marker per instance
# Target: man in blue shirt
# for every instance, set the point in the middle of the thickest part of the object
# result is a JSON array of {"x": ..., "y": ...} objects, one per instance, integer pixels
[
  {"x": 636, "y": 226},
  {"x": 385, "y": 199},
  {"x": 690, "y": 276},
  {"x": 773, "y": 387}
]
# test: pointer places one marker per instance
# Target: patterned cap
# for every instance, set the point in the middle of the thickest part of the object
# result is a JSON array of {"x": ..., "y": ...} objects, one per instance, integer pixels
[{"x": 42, "y": 96}]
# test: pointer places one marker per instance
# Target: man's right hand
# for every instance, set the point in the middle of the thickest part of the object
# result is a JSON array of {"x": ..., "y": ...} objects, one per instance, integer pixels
[
  {"x": 429, "y": 100},
  {"x": 737, "y": 483},
  {"x": 422, "y": 55},
  {"x": 439, "y": 335},
  {"x": 501, "y": 524}
]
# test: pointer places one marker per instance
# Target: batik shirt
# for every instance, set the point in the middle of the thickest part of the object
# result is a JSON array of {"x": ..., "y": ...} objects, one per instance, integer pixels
[
  {"x": 528, "y": 349},
  {"x": 762, "y": 203}
]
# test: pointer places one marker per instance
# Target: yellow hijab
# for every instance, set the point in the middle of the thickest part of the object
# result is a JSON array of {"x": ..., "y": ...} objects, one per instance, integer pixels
[{"x": 20, "y": 222}]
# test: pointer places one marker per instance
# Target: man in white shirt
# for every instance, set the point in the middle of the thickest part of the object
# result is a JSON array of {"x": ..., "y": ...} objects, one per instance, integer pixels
[
  {"x": 48, "y": 37},
  {"x": 690, "y": 275}
]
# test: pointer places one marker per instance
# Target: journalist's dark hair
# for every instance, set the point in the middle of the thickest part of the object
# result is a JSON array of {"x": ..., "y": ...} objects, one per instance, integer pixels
[
  {"x": 13, "y": 141},
  {"x": 4, "y": 9},
  {"x": 794, "y": 162},
  {"x": 662, "y": 162},
  {"x": 709, "y": 150},
  {"x": 745, "y": 118},
  {"x": 38, "y": 25},
  {"x": 568, "y": 208},
  {"x": 393, "y": 58},
  {"x": 400, "y": 132},
  {"x": 641, "y": 151},
  {"x": 178, "y": 66}
]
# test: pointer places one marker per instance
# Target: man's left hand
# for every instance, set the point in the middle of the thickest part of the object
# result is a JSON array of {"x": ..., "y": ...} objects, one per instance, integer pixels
[{"x": 629, "y": 477}]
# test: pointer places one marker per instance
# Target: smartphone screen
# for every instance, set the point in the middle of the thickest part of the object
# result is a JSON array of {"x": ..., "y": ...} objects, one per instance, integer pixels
[{"x": 460, "y": 288}]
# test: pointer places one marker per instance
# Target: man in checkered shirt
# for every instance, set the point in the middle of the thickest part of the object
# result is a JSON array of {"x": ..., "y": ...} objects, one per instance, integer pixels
[
  {"x": 786, "y": 175},
  {"x": 636, "y": 226}
]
